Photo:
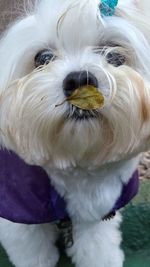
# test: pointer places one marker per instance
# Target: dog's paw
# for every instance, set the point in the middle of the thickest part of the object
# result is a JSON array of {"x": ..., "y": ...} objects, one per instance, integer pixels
[
  {"x": 97, "y": 245},
  {"x": 39, "y": 261},
  {"x": 97, "y": 259}
]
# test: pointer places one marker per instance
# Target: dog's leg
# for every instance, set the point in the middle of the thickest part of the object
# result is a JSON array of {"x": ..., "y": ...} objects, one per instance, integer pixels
[
  {"x": 97, "y": 245},
  {"x": 29, "y": 245}
]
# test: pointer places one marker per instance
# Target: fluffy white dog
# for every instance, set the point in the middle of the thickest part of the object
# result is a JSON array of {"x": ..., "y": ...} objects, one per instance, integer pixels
[{"x": 90, "y": 155}]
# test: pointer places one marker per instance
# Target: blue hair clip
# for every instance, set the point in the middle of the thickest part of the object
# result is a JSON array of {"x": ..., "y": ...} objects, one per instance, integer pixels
[{"x": 107, "y": 7}]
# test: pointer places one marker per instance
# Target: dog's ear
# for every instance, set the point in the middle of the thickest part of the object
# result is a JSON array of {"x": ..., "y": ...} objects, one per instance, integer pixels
[
  {"x": 144, "y": 5},
  {"x": 140, "y": 4}
]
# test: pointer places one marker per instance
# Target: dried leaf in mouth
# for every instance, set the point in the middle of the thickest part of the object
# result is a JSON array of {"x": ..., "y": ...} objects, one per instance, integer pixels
[{"x": 87, "y": 98}]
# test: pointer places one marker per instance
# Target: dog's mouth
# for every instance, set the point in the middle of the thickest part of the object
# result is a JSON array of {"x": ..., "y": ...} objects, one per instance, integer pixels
[
  {"x": 84, "y": 103},
  {"x": 76, "y": 113}
]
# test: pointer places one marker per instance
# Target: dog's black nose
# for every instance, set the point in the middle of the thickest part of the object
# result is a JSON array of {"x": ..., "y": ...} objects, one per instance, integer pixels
[{"x": 74, "y": 80}]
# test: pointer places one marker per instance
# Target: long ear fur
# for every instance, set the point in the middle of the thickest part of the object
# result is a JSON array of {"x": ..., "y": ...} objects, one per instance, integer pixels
[{"x": 144, "y": 5}]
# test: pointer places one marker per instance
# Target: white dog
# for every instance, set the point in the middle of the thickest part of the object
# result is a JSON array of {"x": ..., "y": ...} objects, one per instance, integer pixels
[{"x": 90, "y": 155}]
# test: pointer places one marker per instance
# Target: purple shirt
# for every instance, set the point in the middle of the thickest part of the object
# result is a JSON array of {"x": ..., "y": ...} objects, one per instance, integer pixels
[{"x": 27, "y": 196}]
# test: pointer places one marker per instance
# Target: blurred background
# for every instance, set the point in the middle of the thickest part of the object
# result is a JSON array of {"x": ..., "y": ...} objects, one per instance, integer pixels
[
  {"x": 136, "y": 216},
  {"x": 9, "y": 10}
]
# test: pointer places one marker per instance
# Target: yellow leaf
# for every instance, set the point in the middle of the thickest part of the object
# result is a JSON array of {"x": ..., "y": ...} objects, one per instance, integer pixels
[{"x": 87, "y": 97}]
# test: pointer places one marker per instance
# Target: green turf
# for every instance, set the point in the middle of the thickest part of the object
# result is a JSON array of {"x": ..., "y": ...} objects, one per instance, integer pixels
[
  {"x": 136, "y": 233},
  {"x": 140, "y": 258}
]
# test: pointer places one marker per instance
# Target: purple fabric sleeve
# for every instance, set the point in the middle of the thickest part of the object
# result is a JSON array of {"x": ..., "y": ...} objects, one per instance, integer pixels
[
  {"x": 129, "y": 191},
  {"x": 26, "y": 195}
]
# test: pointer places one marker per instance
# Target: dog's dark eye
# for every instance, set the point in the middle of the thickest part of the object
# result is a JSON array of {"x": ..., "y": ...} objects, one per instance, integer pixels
[
  {"x": 116, "y": 59},
  {"x": 43, "y": 57}
]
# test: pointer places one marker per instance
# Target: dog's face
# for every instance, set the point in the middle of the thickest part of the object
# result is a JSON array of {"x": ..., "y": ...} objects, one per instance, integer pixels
[{"x": 46, "y": 56}]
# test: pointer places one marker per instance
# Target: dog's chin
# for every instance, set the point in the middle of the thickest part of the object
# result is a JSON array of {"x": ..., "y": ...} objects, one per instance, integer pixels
[{"x": 78, "y": 114}]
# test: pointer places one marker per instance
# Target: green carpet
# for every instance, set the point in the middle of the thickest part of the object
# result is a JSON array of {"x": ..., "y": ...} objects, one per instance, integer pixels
[
  {"x": 136, "y": 233},
  {"x": 136, "y": 229}
]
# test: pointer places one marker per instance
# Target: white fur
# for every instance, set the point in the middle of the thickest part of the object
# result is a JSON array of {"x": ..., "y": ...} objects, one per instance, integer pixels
[
  {"x": 97, "y": 244},
  {"x": 29, "y": 245},
  {"x": 87, "y": 160}
]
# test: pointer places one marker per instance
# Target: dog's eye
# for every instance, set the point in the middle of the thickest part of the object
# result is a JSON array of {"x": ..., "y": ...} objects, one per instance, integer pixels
[
  {"x": 115, "y": 58},
  {"x": 43, "y": 57}
]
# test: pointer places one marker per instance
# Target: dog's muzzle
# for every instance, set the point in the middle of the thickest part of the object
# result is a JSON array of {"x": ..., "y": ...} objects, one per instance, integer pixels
[
  {"x": 80, "y": 114},
  {"x": 76, "y": 80}
]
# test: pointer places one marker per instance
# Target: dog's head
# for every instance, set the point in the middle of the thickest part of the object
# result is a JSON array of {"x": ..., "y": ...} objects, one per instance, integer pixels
[{"x": 56, "y": 49}]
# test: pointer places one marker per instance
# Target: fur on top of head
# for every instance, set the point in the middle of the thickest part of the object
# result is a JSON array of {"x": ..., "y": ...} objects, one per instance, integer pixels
[{"x": 115, "y": 49}]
